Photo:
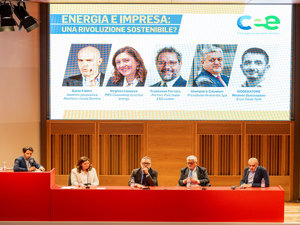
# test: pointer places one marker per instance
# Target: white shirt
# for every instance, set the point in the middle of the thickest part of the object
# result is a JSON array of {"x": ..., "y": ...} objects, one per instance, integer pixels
[
  {"x": 194, "y": 175},
  {"x": 133, "y": 84},
  {"x": 91, "y": 82},
  {"x": 79, "y": 179},
  {"x": 251, "y": 176},
  {"x": 169, "y": 83}
]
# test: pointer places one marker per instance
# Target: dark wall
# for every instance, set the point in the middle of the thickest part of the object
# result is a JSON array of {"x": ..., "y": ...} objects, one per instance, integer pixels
[{"x": 296, "y": 89}]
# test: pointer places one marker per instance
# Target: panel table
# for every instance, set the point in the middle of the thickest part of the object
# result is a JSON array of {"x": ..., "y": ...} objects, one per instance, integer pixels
[
  {"x": 215, "y": 204},
  {"x": 26, "y": 195}
]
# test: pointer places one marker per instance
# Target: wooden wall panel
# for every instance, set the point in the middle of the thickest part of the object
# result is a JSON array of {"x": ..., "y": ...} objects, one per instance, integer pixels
[
  {"x": 218, "y": 128},
  {"x": 169, "y": 143},
  {"x": 272, "y": 152},
  {"x": 220, "y": 154},
  {"x": 116, "y": 147},
  {"x": 121, "y": 128},
  {"x": 73, "y": 128},
  {"x": 268, "y": 128}
]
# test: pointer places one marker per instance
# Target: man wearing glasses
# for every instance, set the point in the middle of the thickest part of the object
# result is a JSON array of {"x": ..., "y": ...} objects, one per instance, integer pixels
[
  {"x": 212, "y": 66},
  {"x": 193, "y": 173},
  {"x": 144, "y": 176},
  {"x": 254, "y": 174},
  {"x": 168, "y": 63}
]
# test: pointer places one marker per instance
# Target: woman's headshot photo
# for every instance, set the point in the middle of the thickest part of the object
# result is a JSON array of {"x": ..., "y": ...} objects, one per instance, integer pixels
[{"x": 129, "y": 69}]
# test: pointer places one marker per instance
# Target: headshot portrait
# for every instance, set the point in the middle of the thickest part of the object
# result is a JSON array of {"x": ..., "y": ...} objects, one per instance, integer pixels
[
  {"x": 86, "y": 65},
  {"x": 212, "y": 65},
  {"x": 168, "y": 63},
  {"x": 128, "y": 69},
  {"x": 255, "y": 63}
]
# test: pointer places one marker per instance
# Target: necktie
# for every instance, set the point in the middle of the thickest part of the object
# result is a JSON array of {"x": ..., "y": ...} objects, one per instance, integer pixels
[
  {"x": 144, "y": 182},
  {"x": 221, "y": 81},
  {"x": 190, "y": 173}
]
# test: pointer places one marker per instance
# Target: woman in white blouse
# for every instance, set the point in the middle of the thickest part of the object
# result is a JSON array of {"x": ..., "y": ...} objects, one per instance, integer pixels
[{"x": 84, "y": 175}]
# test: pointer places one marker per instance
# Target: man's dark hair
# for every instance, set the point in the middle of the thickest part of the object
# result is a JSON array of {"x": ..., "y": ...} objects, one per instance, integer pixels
[
  {"x": 256, "y": 51},
  {"x": 168, "y": 49},
  {"x": 25, "y": 149}
]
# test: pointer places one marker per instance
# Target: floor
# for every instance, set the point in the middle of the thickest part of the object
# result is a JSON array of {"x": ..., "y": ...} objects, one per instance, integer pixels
[
  {"x": 291, "y": 212},
  {"x": 291, "y": 217}
]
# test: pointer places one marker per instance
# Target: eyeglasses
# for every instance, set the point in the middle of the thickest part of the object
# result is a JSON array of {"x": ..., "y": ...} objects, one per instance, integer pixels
[
  {"x": 215, "y": 59},
  {"x": 190, "y": 163},
  {"x": 169, "y": 63},
  {"x": 146, "y": 164}
]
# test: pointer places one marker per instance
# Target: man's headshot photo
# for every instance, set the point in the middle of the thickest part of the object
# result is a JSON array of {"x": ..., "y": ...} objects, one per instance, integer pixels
[
  {"x": 255, "y": 63},
  {"x": 212, "y": 65},
  {"x": 85, "y": 64},
  {"x": 168, "y": 64}
]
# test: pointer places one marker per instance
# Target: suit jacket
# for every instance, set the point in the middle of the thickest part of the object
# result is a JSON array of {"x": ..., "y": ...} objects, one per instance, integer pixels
[
  {"x": 120, "y": 83},
  {"x": 77, "y": 80},
  {"x": 206, "y": 79},
  {"x": 20, "y": 164},
  {"x": 260, "y": 173},
  {"x": 137, "y": 174},
  {"x": 179, "y": 83},
  {"x": 201, "y": 173}
]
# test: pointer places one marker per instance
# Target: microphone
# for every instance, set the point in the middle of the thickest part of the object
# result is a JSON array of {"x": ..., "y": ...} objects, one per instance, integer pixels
[
  {"x": 234, "y": 187},
  {"x": 30, "y": 162}
]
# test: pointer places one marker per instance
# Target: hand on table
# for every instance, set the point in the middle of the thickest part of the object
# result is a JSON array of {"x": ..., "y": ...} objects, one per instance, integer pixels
[
  {"x": 32, "y": 168},
  {"x": 246, "y": 185}
]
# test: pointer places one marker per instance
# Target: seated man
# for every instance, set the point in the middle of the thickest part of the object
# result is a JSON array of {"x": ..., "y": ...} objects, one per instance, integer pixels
[
  {"x": 196, "y": 174},
  {"x": 253, "y": 174},
  {"x": 26, "y": 163},
  {"x": 145, "y": 176}
]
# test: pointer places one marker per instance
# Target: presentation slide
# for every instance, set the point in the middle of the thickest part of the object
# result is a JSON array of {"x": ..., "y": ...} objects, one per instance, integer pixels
[{"x": 170, "y": 62}]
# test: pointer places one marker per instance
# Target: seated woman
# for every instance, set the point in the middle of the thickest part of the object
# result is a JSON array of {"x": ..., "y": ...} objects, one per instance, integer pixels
[
  {"x": 84, "y": 175},
  {"x": 129, "y": 69}
]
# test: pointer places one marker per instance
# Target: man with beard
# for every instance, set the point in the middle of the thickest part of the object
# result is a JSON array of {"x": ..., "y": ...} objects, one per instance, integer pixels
[
  {"x": 255, "y": 63},
  {"x": 168, "y": 63},
  {"x": 89, "y": 60},
  {"x": 212, "y": 66},
  {"x": 145, "y": 175}
]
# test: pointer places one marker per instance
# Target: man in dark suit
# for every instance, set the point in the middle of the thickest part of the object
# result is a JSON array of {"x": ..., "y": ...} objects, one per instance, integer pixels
[
  {"x": 89, "y": 60},
  {"x": 192, "y": 173},
  {"x": 26, "y": 162},
  {"x": 212, "y": 66},
  {"x": 168, "y": 63},
  {"x": 253, "y": 175},
  {"x": 255, "y": 63},
  {"x": 144, "y": 176}
]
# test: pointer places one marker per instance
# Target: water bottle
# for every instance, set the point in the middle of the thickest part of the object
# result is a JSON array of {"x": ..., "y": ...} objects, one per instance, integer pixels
[
  {"x": 132, "y": 182},
  {"x": 4, "y": 167},
  {"x": 188, "y": 184},
  {"x": 263, "y": 183}
]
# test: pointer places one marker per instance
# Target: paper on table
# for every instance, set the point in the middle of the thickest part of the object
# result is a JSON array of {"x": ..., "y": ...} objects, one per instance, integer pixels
[{"x": 68, "y": 187}]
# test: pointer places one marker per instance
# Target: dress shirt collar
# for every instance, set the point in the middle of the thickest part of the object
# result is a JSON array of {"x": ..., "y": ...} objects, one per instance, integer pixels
[
  {"x": 169, "y": 83},
  {"x": 91, "y": 82},
  {"x": 133, "y": 84}
]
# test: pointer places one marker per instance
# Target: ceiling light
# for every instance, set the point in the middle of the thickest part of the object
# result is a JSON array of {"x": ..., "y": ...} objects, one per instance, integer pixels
[
  {"x": 27, "y": 21},
  {"x": 7, "y": 22}
]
